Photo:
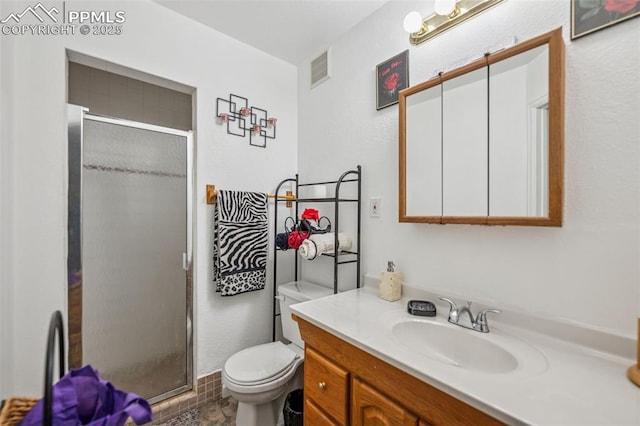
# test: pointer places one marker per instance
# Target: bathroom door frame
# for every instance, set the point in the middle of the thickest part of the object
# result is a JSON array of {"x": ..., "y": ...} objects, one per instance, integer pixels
[{"x": 75, "y": 121}]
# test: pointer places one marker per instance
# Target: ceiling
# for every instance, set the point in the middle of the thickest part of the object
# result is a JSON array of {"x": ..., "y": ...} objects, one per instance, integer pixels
[{"x": 292, "y": 30}]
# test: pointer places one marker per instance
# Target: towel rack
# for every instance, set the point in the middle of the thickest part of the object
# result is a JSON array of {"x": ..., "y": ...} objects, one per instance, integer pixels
[
  {"x": 212, "y": 193},
  {"x": 339, "y": 257}
]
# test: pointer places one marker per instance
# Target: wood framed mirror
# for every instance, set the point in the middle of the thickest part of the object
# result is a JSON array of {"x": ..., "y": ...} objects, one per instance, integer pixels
[{"x": 483, "y": 144}]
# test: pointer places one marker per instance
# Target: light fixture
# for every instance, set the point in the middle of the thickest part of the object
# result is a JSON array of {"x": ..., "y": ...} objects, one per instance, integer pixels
[
  {"x": 445, "y": 7},
  {"x": 448, "y": 14},
  {"x": 413, "y": 22}
]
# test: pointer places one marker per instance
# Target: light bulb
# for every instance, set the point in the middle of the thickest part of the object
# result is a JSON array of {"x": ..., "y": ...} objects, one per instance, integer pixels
[
  {"x": 444, "y": 7},
  {"x": 413, "y": 22}
]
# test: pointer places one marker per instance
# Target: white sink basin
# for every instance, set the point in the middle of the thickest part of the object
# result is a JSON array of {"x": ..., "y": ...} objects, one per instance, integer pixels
[{"x": 493, "y": 352}]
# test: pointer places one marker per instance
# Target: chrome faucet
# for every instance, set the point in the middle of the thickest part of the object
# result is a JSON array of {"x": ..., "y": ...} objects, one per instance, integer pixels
[{"x": 457, "y": 313}]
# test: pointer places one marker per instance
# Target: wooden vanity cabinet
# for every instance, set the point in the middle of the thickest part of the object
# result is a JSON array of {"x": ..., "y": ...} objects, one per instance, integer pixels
[
  {"x": 327, "y": 385},
  {"x": 373, "y": 408},
  {"x": 344, "y": 385}
]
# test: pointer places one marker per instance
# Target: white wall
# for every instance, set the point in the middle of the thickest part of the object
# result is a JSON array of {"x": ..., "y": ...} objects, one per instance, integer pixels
[
  {"x": 159, "y": 42},
  {"x": 586, "y": 271}
]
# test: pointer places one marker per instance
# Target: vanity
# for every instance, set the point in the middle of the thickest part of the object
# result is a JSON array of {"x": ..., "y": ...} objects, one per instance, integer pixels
[
  {"x": 368, "y": 362},
  {"x": 347, "y": 385}
]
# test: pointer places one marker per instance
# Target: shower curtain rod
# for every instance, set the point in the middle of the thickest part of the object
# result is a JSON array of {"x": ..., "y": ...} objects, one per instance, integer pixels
[{"x": 212, "y": 193}]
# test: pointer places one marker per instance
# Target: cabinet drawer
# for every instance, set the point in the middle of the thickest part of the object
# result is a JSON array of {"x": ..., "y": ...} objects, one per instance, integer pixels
[
  {"x": 314, "y": 416},
  {"x": 326, "y": 384}
]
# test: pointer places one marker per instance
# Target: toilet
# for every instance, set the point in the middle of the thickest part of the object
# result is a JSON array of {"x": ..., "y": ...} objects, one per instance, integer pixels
[{"x": 260, "y": 377}]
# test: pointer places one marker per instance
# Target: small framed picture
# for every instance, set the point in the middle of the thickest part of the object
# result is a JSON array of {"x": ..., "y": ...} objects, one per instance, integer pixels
[
  {"x": 588, "y": 16},
  {"x": 392, "y": 76}
]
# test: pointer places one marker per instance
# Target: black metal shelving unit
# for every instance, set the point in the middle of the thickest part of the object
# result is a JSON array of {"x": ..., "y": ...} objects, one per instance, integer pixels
[{"x": 339, "y": 258}]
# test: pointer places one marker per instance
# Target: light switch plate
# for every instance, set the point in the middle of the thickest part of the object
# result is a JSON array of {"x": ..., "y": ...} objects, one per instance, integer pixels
[{"x": 375, "y": 204}]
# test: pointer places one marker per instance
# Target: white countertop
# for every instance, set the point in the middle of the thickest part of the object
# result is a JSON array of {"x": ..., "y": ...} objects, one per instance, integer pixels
[{"x": 576, "y": 383}]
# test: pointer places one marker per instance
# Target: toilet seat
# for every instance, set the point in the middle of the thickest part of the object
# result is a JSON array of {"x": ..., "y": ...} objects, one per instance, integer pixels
[{"x": 261, "y": 367}]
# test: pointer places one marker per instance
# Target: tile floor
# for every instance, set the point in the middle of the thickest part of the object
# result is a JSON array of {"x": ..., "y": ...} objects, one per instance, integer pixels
[{"x": 215, "y": 413}]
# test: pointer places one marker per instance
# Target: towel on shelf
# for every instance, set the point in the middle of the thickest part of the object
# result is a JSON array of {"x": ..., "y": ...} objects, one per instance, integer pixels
[
  {"x": 318, "y": 244},
  {"x": 240, "y": 242}
]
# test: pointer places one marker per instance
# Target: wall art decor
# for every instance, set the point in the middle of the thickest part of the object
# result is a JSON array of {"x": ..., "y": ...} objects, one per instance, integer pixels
[
  {"x": 588, "y": 16},
  {"x": 392, "y": 76},
  {"x": 241, "y": 119}
]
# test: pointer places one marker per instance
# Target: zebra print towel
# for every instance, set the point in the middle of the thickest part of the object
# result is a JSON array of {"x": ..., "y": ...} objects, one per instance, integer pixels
[{"x": 240, "y": 240}]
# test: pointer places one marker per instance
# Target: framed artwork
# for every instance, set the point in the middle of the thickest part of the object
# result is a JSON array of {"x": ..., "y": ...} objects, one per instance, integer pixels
[
  {"x": 588, "y": 16},
  {"x": 392, "y": 76}
]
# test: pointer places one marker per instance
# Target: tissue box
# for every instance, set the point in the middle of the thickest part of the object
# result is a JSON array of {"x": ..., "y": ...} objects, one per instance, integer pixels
[{"x": 390, "y": 286}]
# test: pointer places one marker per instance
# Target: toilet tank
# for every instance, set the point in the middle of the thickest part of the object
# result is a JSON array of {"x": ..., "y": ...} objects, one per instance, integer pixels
[{"x": 296, "y": 292}]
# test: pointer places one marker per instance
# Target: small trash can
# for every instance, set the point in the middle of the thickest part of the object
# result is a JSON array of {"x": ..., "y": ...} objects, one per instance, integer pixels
[{"x": 293, "y": 407}]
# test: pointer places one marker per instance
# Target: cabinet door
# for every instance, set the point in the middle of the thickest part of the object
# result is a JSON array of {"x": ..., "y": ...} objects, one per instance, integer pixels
[
  {"x": 314, "y": 416},
  {"x": 326, "y": 384},
  {"x": 372, "y": 408}
]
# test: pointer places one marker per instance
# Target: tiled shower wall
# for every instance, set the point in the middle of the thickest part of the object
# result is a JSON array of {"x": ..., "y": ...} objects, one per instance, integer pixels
[{"x": 114, "y": 95}]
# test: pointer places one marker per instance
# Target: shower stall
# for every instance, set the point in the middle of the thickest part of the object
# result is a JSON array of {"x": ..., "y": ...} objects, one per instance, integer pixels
[{"x": 129, "y": 253}]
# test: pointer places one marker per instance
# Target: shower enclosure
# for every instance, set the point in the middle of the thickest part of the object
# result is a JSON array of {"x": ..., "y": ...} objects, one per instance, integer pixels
[{"x": 130, "y": 250}]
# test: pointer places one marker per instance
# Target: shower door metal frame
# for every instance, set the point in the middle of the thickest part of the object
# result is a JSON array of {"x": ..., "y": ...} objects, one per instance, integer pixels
[{"x": 75, "y": 120}]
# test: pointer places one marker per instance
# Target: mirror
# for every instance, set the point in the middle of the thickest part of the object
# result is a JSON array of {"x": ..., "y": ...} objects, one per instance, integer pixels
[
  {"x": 518, "y": 130},
  {"x": 465, "y": 144},
  {"x": 423, "y": 155},
  {"x": 483, "y": 144}
]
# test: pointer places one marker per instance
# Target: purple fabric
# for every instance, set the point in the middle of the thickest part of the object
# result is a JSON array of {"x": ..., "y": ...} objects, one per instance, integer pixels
[{"x": 81, "y": 397}]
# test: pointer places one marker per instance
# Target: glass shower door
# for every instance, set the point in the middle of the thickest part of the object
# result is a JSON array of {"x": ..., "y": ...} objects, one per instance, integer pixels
[{"x": 135, "y": 255}]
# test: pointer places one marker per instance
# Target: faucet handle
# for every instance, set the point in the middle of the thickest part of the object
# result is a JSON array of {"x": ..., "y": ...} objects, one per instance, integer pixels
[
  {"x": 481, "y": 320},
  {"x": 453, "y": 310},
  {"x": 452, "y": 304}
]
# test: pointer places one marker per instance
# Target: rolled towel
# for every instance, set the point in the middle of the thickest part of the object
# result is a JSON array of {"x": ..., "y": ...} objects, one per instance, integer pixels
[
  {"x": 318, "y": 244},
  {"x": 296, "y": 238},
  {"x": 306, "y": 249},
  {"x": 282, "y": 241}
]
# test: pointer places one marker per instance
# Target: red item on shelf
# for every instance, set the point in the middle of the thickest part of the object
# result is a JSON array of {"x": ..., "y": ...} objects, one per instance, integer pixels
[{"x": 310, "y": 214}]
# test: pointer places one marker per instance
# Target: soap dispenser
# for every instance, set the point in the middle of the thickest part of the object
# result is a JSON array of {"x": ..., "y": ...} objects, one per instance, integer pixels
[{"x": 390, "y": 283}]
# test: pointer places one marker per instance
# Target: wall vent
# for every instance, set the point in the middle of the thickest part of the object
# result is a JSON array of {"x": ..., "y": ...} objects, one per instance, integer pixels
[{"x": 321, "y": 68}]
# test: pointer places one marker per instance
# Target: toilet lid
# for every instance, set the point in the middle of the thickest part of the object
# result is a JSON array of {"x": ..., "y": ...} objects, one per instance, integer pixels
[{"x": 259, "y": 363}]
